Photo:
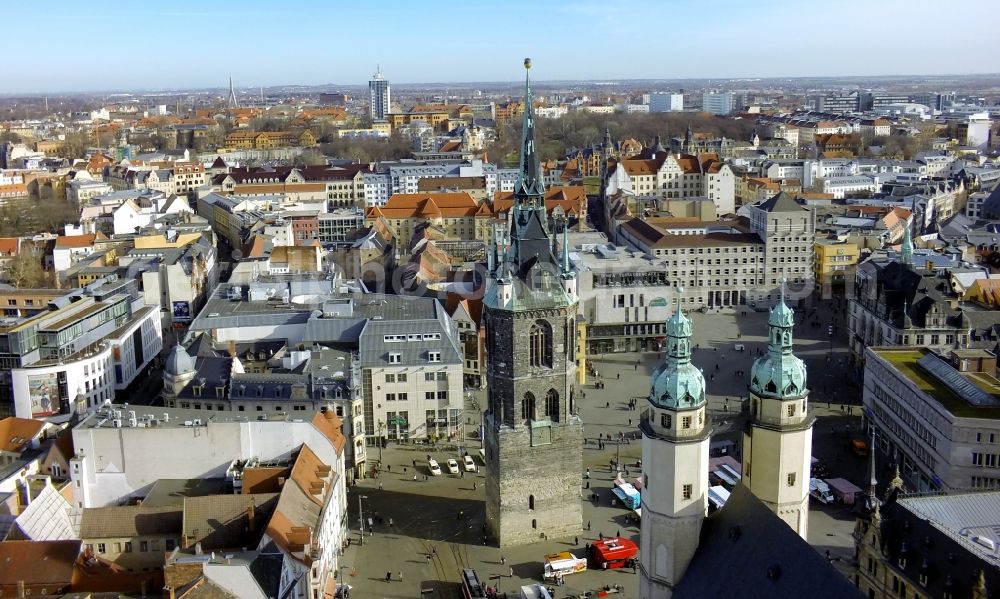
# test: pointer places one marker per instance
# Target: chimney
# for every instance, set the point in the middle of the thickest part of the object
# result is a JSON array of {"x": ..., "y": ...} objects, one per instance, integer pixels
[{"x": 168, "y": 592}]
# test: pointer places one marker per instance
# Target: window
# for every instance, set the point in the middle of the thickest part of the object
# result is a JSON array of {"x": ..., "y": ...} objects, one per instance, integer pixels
[
  {"x": 395, "y": 358},
  {"x": 428, "y": 376},
  {"x": 791, "y": 479},
  {"x": 442, "y": 376},
  {"x": 666, "y": 421},
  {"x": 686, "y": 491},
  {"x": 390, "y": 378},
  {"x": 686, "y": 422},
  {"x": 143, "y": 546},
  {"x": 552, "y": 405},
  {"x": 102, "y": 548},
  {"x": 434, "y": 356},
  {"x": 390, "y": 397},
  {"x": 442, "y": 395},
  {"x": 528, "y": 406},
  {"x": 401, "y": 377},
  {"x": 429, "y": 395},
  {"x": 128, "y": 546},
  {"x": 540, "y": 344},
  {"x": 402, "y": 396},
  {"x": 791, "y": 409},
  {"x": 531, "y": 502}
]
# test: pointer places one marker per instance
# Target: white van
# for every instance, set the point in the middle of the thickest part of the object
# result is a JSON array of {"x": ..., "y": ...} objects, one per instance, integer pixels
[{"x": 820, "y": 490}]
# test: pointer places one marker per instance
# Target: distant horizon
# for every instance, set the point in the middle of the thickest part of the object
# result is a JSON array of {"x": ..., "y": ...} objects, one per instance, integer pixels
[
  {"x": 513, "y": 82},
  {"x": 259, "y": 43}
]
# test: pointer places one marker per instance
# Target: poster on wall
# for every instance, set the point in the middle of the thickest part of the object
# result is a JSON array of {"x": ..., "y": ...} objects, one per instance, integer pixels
[
  {"x": 43, "y": 389},
  {"x": 182, "y": 311}
]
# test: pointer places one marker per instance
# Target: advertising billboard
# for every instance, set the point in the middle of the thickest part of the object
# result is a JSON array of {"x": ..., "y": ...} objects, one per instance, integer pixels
[{"x": 43, "y": 389}]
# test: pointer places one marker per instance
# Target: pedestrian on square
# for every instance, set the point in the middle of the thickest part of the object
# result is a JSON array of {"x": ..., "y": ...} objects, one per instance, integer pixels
[
  {"x": 511, "y": 572},
  {"x": 630, "y": 422},
  {"x": 379, "y": 485},
  {"x": 619, "y": 376},
  {"x": 588, "y": 525},
  {"x": 388, "y": 576},
  {"x": 400, "y": 576},
  {"x": 404, "y": 469},
  {"x": 607, "y": 404},
  {"x": 388, "y": 467},
  {"x": 503, "y": 561},
  {"x": 576, "y": 540}
]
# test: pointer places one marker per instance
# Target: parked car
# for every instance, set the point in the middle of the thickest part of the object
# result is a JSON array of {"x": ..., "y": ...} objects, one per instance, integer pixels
[
  {"x": 470, "y": 465},
  {"x": 434, "y": 467},
  {"x": 820, "y": 491},
  {"x": 452, "y": 466}
]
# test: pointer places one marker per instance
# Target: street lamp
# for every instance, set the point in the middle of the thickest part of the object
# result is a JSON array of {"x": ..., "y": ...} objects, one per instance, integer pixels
[
  {"x": 381, "y": 429},
  {"x": 361, "y": 518}
]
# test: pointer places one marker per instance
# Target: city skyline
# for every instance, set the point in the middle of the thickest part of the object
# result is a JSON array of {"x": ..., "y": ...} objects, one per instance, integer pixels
[{"x": 769, "y": 40}]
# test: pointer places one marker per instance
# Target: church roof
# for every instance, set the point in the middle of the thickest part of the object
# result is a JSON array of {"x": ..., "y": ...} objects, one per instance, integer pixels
[{"x": 729, "y": 561}]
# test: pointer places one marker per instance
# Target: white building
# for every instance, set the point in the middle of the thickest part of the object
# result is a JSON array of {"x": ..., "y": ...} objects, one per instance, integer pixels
[
  {"x": 666, "y": 102},
  {"x": 841, "y": 187}
]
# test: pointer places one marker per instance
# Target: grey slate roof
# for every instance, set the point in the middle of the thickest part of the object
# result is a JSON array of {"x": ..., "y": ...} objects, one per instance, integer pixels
[
  {"x": 747, "y": 551},
  {"x": 934, "y": 534}
]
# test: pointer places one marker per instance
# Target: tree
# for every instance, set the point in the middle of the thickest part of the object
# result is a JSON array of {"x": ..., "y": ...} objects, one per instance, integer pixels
[
  {"x": 9, "y": 136},
  {"x": 310, "y": 157},
  {"x": 75, "y": 145},
  {"x": 25, "y": 270}
]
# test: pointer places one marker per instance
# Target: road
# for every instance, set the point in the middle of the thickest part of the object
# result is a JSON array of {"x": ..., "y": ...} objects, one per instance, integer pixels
[{"x": 445, "y": 513}]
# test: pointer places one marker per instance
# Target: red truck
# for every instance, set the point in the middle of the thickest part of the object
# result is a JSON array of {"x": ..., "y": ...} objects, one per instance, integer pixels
[{"x": 615, "y": 552}]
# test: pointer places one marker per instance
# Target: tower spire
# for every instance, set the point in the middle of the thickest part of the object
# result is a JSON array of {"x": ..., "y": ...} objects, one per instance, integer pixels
[
  {"x": 907, "y": 246},
  {"x": 872, "y": 497},
  {"x": 565, "y": 247},
  {"x": 232, "y": 95},
  {"x": 529, "y": 187}
]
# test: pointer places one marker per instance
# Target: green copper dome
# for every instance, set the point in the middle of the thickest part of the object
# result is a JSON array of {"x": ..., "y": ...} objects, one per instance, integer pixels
[
  {"x": 677, "y": 383},
  {"x": 779, "y": 373}
]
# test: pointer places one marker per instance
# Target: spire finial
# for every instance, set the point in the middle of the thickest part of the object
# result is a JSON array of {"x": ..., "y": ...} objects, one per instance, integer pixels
[{"x": 782, "y": 282}]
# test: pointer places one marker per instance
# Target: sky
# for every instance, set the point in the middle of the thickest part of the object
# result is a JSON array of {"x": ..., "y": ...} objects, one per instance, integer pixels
[{"x": 182, "y": 44}]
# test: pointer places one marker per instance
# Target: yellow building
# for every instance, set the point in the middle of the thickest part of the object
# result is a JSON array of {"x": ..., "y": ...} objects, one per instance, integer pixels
[{"x": 834, "y": 265}]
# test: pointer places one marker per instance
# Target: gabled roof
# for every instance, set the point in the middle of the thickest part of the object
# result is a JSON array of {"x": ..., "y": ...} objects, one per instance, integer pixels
[
  {"x": 130, "y": 521},
  {"x": 16, "y": 433},
  {"x": 76, "y": 241},
  {"x": 37, "y": 563},
  {"x": 730, "y": 562}
]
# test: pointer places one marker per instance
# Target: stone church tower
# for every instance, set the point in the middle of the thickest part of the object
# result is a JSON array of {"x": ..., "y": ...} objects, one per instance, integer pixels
[
  {"x": 675, "y": 443},
  {"x": 777, "y": 440},
  {"x": 533, "y": 436}
]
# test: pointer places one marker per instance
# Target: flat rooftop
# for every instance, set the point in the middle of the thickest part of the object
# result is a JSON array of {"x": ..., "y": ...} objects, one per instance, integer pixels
[
  {"x": 907, "y": 363},
  {"x": 176, "y": 417}
]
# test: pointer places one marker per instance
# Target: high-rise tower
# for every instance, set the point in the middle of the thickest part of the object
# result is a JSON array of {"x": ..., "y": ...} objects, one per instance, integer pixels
[
  {"x": 232, "y": 102},
  {"x": 533, "y": 440},
  {"x": 378, "y": 96},
  {"x": 777, "y": 440},
  {"x": 675, "y": 443}
]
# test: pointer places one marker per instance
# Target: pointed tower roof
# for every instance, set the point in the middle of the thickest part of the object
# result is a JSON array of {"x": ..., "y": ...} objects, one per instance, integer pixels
[
  {"x": 529, "y": 184},
  {"x": 677, "y": 383},
  {"x": 779, "y": 373},
  {"x": 178, "y": 361},
  {"x": 907, "y": 247}
]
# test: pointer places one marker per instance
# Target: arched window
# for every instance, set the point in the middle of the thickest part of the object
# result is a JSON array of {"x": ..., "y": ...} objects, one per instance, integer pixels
[
  {"x": 540, "y": 344},
  {"x": 528, "y": 406},
  {"x": 552, "y": 405},
  {"x": 531, "y": 502}
]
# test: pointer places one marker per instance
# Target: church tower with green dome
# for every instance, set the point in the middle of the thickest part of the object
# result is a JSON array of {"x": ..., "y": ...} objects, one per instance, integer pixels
[
  {"x": 777, "y": 440},
  {"x": 675, "y": 442}
]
